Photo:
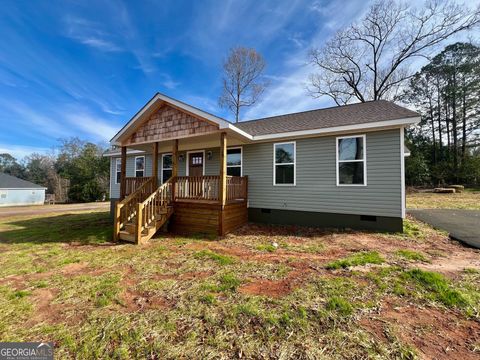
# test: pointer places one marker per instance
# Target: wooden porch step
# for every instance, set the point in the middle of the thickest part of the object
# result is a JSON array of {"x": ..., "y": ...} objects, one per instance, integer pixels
[{"x": 126, "y": 236}]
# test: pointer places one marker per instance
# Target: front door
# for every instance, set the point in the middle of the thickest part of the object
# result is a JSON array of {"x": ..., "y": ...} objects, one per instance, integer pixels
[{"x": 195, "y": 164}]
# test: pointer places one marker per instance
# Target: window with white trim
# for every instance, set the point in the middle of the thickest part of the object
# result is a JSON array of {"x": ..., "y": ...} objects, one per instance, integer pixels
[
  {"x": 234, "y": 161},
  {"x": 351, "y": 160},
  {"x": 139, "y": 166},
  {"x": 118, "y": 170},
  {"x": 284, "y": 163},
  {"x": 167, "y": 167}
]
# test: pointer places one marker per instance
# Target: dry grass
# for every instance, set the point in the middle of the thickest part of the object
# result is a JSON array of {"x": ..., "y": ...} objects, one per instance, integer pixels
[
  {"x": 62, "y": 281},
  {"x": 469, "y": 200}
]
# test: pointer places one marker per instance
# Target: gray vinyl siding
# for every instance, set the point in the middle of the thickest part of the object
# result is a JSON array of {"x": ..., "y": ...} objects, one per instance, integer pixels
[{"x": 316, "y": 188}]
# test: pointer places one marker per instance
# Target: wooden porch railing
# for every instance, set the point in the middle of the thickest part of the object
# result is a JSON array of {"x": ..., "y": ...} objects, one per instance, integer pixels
[
  {"x": 144, "y": 204},
  {"x": 237, "y": 188},
  {"x": 126, "y": 209},
  {"x": 207, "y": 188},
  {"x": 134, "y": 183},
  {"x": 197, "y": 188},
  {"x": 153, "y": 206}
]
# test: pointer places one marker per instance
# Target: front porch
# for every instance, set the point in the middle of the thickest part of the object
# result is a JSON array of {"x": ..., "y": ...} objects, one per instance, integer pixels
[
  {"x": 208, "y": 204},
  {"x": 182, "y": 195}
]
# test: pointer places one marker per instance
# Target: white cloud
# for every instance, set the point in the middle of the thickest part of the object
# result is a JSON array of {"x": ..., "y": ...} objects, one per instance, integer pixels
[
  {"x": 100, "y": 129},
  {"x": 91, "y": 34},
  {"x": 34, "y": 121},
  {"x": 100, "y": 44},
  {"x": 20, "y": 151}
]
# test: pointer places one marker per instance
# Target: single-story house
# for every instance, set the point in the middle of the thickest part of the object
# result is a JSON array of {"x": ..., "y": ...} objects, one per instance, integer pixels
[
  {"x": 17, "y": 192},
  {"x": 335, "y": 167}
]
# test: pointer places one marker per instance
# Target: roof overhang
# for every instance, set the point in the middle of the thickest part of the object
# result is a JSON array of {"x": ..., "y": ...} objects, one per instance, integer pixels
[
  {"x": 373, "y": 126},
  {"x": 158, "y": 99},
  {"x": 224, "y": 125}
]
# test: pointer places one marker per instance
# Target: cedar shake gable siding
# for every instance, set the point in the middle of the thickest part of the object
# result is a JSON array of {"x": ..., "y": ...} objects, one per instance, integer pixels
[{"x": 169, "y": 123}]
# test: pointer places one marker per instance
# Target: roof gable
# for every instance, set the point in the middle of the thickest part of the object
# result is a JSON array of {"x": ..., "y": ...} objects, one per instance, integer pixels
[
  {"x": 170, "y": 123},
  {"x": 156, "y": 103}
]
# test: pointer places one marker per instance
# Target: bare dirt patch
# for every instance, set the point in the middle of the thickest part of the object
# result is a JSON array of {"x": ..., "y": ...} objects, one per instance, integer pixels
[
  {"x": 133, "y": 300},
  {"x": 136, "y": 301},
  {"x": 453, "y": 264},
  {"x": 46, "y": 310},
  {"x": 19, "y": 282},
  {"x": 282, "y": 287},
  {"x": 437, "y": 334}
]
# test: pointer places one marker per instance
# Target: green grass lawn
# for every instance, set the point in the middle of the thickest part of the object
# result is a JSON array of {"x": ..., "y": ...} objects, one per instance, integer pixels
[
  {"x": 469, "y": 200},
  {"x": 318, "y": 294}
]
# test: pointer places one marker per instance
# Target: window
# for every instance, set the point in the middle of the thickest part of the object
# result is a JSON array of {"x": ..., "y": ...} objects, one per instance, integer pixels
[
  {"x": 197, "y": 160},
  {"x": 3, "y": 194},
  {"x": 167, "y": 164},
  {"x": 118, "y": 170},
  {"x": 351, "y": 161},
  {"x": 284, "y": 163},
  {"x": 234, "y": 162},
  {"x": 139, "y": 166}
]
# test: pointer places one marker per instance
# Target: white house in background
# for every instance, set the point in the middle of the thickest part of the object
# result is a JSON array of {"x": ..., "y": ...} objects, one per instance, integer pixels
[{"x": 16, "y": 192}]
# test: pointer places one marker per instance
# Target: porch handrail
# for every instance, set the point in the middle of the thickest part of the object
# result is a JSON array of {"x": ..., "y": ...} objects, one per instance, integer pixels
[
  {"x": 154, "y": 205},
  {"x": 237, "y": 188},
  {"x": 126, "y": 209},
  {"x": 133, "y": 183},
  {"x": 197, "y": 188},
  {"x": 208, "y": 188}
]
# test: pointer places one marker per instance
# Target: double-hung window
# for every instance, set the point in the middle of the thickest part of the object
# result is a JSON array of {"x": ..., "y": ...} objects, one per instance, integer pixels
[
  {"x": 167, "y": 165},
  {"x": 118, "y": 170},
  {"x": 234, "y": 162},
  {"x": 139, "y": 166},
  {"x": 284, "y": 163},
  {"x": 351, "y": 161}
]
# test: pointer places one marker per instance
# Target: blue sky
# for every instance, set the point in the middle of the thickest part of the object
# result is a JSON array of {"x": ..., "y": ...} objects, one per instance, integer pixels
[{"x": 83, "y": 68}]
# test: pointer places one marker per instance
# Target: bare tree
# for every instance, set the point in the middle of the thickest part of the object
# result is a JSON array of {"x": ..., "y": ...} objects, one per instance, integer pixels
[
  {"x": 242, "y": 82},
  {"x": 370, "y": 60}
]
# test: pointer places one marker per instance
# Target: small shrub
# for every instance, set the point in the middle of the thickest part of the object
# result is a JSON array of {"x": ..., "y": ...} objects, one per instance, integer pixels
[
  {"x": 221, "y": 259},
  {"x": 361, "y": 258},
  {"x": 411, "y": 255}
]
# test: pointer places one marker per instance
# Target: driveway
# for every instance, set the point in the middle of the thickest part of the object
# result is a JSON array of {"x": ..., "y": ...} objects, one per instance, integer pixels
[
  {"x": 47, "y": 209},
  {"x": 462, "y": 225}
]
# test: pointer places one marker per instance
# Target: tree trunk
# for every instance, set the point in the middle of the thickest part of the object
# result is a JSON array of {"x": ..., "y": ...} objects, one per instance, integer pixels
[
  {"x": 439, "y": 119},
  {"x": 464, "y": 119},
  {"x": 432, "y": 122},
  {"x": 455, "y": 125}
]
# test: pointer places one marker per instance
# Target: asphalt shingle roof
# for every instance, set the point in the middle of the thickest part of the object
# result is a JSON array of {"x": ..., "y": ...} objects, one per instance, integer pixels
[
  {"x": 12, "y": 182},
  {"x": 353, "y": 114}
]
